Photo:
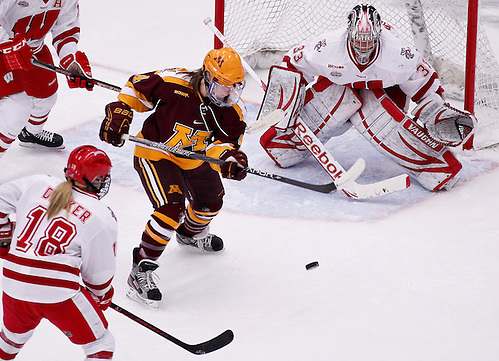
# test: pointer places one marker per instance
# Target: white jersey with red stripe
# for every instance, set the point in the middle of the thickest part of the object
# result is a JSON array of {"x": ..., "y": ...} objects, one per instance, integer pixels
[
  {"x": 394, "y": 62},
  {"x": 49, "y": 257},
  {"x": 34, "y": 19}
]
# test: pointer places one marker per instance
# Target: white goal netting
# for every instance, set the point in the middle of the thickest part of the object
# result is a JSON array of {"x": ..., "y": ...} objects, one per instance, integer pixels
[{"x": 262, "y": 30}]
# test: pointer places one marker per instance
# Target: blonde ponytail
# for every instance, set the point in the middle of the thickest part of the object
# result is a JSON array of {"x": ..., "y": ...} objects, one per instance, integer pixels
[{"x": 60, "y": 198}]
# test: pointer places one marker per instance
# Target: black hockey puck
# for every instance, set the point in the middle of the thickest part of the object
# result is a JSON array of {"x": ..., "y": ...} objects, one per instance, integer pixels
[{"x": 312, "y": 265}]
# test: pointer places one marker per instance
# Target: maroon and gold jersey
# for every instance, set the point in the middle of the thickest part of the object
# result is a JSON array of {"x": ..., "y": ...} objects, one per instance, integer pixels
[{"x": 181, "y": 117}]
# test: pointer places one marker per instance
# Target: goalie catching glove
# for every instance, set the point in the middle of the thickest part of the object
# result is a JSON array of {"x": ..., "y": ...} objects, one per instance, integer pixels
[
  {"x": 78, "y": 64},
  {"x": 116, "y": 123},
  {"x": 445, "y": 124},
  {"x": 235, "y": 162}
]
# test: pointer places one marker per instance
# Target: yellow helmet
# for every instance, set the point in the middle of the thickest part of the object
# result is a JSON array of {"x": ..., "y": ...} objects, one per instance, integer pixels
[{"x": 224, "y": 66}]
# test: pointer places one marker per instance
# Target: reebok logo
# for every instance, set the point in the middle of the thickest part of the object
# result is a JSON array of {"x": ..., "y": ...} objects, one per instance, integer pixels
[{"x": 317, "y": 149}]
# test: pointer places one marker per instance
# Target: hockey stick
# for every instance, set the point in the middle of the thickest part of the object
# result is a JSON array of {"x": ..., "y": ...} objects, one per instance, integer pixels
[
  {"x": 324, "y": 157},
  {"x": 323, "y": 188},
  {"x": 202, "y": 348},
  {"x": 56, "y": 69},
  {"x": 354, "y": 171}
]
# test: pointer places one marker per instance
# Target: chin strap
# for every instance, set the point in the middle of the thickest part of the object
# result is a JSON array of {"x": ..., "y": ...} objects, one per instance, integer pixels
[{"x": 90, "y": 187}]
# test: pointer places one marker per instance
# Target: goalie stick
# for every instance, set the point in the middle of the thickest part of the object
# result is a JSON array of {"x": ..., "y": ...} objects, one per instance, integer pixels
[
  {"x": 202, "y": 348},
  {"x": 324, "y": 157},
  {"x": 266, "y": 121},
  {"x": 353, "y": 172}
]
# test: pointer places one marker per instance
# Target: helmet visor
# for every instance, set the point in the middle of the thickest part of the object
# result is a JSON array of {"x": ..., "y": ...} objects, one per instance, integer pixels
[{"x": 225, "y": 95}]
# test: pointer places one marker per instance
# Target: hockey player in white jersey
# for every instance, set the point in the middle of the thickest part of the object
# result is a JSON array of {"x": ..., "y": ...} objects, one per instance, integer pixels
[
  {"x": 27, "y": 92},
  {"x": 59, "y": 256},
  {"x": 366, "y": 75}
]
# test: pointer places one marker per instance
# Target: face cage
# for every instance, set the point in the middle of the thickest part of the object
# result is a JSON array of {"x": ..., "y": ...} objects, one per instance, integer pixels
[
  {"x": 363, "y": 48},
  {"x": 223, "y": 95},
  {"x": 104, "y": 186},
  {"x": 99, "y": 188}
]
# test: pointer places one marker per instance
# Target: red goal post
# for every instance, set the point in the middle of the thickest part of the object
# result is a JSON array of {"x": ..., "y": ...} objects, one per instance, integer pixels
[{"x": 447, "y": 32}]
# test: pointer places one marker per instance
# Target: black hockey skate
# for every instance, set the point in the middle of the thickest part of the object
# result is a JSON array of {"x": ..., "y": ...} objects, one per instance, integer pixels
[
  {"x": 206, "y": 242},
  {"x": 44, "y": 139},
  {"x": 143, "y": 288}
]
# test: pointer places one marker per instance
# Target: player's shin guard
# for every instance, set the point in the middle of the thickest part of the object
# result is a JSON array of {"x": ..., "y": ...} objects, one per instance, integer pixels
[
  {"x": 14, "y": 110},
  {"x": 194, "y": 231},
  {"x": 5, "y": 141},
  {"x": 39, "y": 113},
  {"x": 196, "y": 221},
  {"x": 33, "y": 135},
  {"x": 401, "y": 139},
  {"x": 11, "y": 343},
  {"x": 158, "y": 231},
  {"x": 101, "y": 349}
]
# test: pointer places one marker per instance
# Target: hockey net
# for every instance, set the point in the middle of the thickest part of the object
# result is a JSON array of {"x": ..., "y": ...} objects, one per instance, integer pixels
[{"x": 263, "y": 30}]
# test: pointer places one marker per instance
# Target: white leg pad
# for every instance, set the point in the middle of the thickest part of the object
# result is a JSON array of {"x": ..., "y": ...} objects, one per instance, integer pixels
[
  {"x": 326, "y": 110},
  {"x": 402, "y": 140}
]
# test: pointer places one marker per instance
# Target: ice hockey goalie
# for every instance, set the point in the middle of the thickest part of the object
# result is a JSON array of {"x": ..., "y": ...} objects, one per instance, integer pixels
[{"x": 366, "y": 76}]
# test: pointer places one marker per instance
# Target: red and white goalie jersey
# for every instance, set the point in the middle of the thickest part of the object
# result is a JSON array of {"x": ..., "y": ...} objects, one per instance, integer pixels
[
  {"x": 394, "y": 63},
  {"x": 48, "y": 257},
  {"x": 34, "y": 19}
]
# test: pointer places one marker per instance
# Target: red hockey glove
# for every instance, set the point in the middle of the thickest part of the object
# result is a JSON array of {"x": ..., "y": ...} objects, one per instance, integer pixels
[
  {"x": 105, "y": 300},
  {"x": 78, "y": 64},
  {"x": 235, "y": 162},
  {"x": 17, "y": 54},
  {"x": 116, "y": 123},
  {"x": 6, "y": 231}
]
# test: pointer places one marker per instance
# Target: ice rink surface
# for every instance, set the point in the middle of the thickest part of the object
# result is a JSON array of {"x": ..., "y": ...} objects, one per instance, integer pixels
[{"x": 410, "y": 276}]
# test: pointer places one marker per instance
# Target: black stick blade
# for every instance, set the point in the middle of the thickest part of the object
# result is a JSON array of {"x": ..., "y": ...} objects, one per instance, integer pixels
[
  {"x": 202, "y": 348},
  {"x": 214, "y": 344}
]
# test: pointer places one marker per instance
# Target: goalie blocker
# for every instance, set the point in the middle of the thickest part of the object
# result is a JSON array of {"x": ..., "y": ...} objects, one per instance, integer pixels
[{"x": 329, "y": 110}]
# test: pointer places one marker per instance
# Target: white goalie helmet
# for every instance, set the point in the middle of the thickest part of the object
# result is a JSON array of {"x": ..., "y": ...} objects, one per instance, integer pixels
[{"x": 364, "y": 30}]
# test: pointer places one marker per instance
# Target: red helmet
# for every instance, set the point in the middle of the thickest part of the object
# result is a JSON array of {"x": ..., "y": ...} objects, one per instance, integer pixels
[{"x": 90, "y": 166}]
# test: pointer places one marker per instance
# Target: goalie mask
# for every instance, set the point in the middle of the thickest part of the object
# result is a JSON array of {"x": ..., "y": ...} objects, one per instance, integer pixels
[
  {"x": 364, "y": 29},
  {"x": 223, "y": 73},
  {"x": 91, "y": 167}
]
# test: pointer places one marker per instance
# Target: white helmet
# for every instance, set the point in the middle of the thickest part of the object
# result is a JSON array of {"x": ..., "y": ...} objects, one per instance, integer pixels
[{"x": 364, "y": 29}]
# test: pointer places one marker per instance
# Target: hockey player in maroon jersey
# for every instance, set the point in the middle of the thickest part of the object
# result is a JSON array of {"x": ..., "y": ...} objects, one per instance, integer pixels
[
  {"x": 63, "y": 235},
  {"x": 366, "y": 76},
  {"x": 198, "y": 110},
  {"x": 27, "y": 92}
]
